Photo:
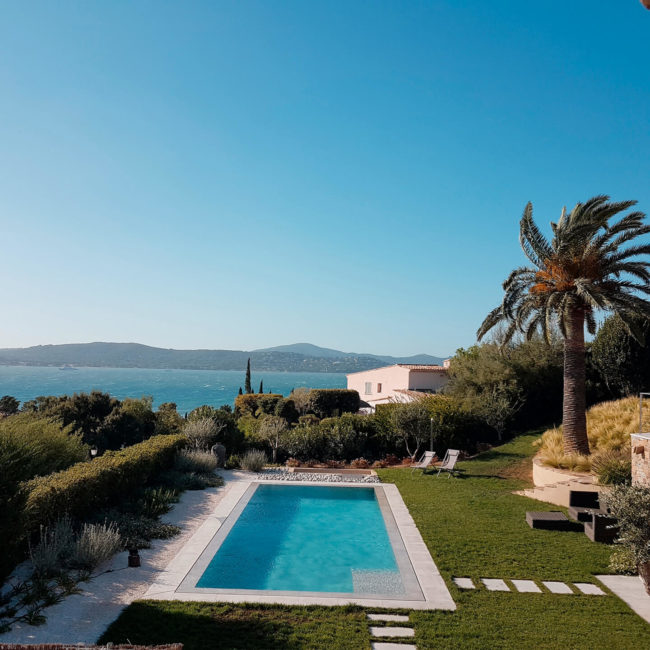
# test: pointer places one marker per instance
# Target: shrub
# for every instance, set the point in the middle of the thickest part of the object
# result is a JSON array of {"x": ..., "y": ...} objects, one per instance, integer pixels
[
  {"x": 200, "y": 462},
  {"x": 293, "y": 462},
  {"x": 233, "y": 462},
  {"x": 305, "y": 442},
  {"x": 96, "y": 544},
  {"x": 156, "y": 501},
  {"x": 202, "y": 433},
  {"x": 328, "y": 402},
  {"x": 609, "y": 425},
  {"x": 137, "y": 531},
  {"x": 360, "y": 463},
  {"x": 44, "y": 445},
  {"x": 85, "y": 487},
  {"x": 9, "y": 405},
  {"x": 254, "y": 460},
  {"x": 54, "y": 548},
  {"x": 612, "y": 467},
  {"x": 621, "y": 562},
  {"x": 379, "y": 464},
  {"x": 256, "y": 404},
  {"x": 630, "y": 504}
]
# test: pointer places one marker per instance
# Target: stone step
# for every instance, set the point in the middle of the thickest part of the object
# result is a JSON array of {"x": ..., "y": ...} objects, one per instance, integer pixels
[
  {"x": 383, "y": 645},
  {"x": 464, "y": 583},
  {"x": 589, "y": 588},
  {"x": 526, "y": 586},
  {"x": 395, "y": 618},
  {"x": 495, "y": 584},
  {"x": 391, "y": 631},
  {"x": 556, "y": 587}
]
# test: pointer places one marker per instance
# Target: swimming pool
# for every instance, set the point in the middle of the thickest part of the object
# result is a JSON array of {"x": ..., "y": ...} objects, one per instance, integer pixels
[{"x": 305, "y": 539}]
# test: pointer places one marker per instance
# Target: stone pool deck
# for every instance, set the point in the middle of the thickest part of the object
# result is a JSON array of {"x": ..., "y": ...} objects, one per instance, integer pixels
[{"x": 171, "y": 584}]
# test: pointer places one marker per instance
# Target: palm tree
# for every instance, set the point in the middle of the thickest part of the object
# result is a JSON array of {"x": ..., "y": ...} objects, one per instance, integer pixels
[{"x": 585, "y": 268}]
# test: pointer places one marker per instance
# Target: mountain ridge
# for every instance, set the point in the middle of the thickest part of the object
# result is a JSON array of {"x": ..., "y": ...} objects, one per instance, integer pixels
[{"x": 138, "y": 355}]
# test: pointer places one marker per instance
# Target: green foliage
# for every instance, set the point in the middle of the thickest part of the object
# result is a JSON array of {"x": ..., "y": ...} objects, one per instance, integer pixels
[
  {"x": 329, "y": 402},
  {"x": 612, "y": 467},
  {"x": 247, "y": 383},
  {"x": 630, "y": 504},
  {"x": 85, "y": 487},
  {"x": 41, "y": 444},
  {"x": 527, "y": 374},
  {"x": 192, "y": 460},
  {"x": 156, "y": 501},
  {"x": 168, "y": 420},
  {"x": 622, "y": 562},
  {"x": 307, "y": 442},
  {"x": 254, "y": 460},
  {"x": 256, "y": 405},
  {"x": 137, "y": 531},
  {"x": 202, "y": 433},
  {"x": 233, "y": 462},
  {"x": 228, "y": 433},
  {"x": 9, "y": 405},
  {"x": 96, "y": 544},
  {"x": 622, "y": 362}
]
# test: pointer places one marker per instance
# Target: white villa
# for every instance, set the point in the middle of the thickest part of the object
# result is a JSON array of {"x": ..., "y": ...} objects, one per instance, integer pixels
[{"x": 401, "y": 382}]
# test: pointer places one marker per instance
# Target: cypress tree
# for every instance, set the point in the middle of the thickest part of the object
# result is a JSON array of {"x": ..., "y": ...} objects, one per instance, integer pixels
[
  {"x": 261, "y": 390},
  {"x": 240, "y": 391},
  {"x": 247, "y": 384}
]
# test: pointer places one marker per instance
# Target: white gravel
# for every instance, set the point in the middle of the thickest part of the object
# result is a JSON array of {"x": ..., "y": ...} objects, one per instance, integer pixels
[{"x": 316, "y": 477}]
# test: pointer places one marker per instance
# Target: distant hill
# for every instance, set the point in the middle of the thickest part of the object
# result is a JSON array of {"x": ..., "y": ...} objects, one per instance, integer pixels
[
  {"x": 310, "y": 350},
  {"x": 301, "y": 357}
]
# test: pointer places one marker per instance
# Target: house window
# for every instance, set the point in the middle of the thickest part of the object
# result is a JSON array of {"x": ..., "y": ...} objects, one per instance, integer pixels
[
  {"x": 379, "y": 388},
  {"x": 368, "y": 388}
]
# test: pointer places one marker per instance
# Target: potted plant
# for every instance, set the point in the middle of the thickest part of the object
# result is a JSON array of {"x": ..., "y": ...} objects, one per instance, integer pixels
[{"x": 630, "y": 504}]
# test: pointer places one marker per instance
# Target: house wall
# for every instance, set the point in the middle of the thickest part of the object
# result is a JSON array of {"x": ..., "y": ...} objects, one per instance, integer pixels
[
  {"x": 640, "y": 446},
  {"x": 390, "y": 378},
  {"x": 422, "y": 380}
]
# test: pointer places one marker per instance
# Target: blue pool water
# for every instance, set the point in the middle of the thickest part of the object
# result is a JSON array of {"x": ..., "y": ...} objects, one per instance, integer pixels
[{"x": 307, "y": 538}]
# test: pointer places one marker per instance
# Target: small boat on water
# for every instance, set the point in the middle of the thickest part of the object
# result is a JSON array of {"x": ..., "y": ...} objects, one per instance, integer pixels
[{"x": 67, "y": 366}]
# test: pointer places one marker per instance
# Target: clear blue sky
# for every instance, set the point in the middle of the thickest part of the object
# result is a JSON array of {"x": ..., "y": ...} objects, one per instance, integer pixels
[{"x": 244, "y": 174}]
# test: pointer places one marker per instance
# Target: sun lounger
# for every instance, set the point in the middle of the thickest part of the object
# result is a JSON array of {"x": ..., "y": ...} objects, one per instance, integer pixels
[
  {"x": 424, "y": 462},
  {"x": 449, "y": 463}
]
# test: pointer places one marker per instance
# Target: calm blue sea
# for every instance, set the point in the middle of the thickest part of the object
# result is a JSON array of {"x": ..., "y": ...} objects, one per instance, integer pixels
[{"x": 188, "y": 388}]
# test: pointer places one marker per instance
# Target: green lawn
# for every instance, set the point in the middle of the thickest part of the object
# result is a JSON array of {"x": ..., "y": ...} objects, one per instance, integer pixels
[{"x": 474, "y": 526}]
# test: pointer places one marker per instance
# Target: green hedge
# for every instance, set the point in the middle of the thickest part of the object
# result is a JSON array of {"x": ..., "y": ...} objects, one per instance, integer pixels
[
  {"x": 330, "y": 402},
  {"x": 86, "y": 487},
  {"x": 256, "y": 403}
]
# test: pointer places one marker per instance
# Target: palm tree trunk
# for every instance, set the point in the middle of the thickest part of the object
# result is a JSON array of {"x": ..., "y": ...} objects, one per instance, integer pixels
[{"x": 574, "y": 419}]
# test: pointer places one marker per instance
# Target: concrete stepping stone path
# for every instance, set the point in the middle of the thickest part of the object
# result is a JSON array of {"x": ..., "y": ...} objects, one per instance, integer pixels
[
  {"x": 495, "y": 584},
  {"x": 526, "y": 586},
  {"x": 589, "y": 588},
  {"x": 557, "y": 587},
  {"x": 394, "y": 618},
  {"x": 392, "y": 631},
  {"x": 464, "y": 583},
  {"x": 383, "y": 645}
]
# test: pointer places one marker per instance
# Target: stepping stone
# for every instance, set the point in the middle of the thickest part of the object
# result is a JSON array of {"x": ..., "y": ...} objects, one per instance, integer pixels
[
  {"x": 557, "y": 587},
  {"x": 396, "y": 618},
  {"x": 589, "y": 588},
  {"x": 553, "y": 520},
  {"x": 495, "y": 584},
  {"x": 392, "y": 631},
  {"x": 464, "y": 583},
  {"x": 526, "y": 586},
  {"x": 382, "y": 645}
]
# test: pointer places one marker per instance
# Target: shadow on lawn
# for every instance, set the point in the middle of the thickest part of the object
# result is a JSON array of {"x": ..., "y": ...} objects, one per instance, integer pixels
[{"x": 207, "y": 626}]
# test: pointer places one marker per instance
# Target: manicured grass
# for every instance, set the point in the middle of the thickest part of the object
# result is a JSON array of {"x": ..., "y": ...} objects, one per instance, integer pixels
[
  {"x": 474, "y": 526},
  {"x": 214, "y": 626}
]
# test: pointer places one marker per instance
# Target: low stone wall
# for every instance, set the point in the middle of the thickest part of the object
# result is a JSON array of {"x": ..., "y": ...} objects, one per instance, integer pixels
[{"x": 640, "y": 447}]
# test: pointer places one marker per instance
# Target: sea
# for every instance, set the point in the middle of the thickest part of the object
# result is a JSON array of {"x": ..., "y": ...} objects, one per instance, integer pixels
[{"x": 187, "y": 388}]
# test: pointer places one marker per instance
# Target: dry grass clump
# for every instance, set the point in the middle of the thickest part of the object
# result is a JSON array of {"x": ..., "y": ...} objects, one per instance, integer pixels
[{"x": 609, "y": 425}]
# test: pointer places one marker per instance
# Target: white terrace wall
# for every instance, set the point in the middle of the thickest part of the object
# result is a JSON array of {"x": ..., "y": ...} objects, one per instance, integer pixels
[{"x": 640, "y": 444}]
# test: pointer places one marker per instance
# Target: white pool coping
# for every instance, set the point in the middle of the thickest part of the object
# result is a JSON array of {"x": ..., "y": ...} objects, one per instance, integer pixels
[{"x": 434, "y": 592}]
